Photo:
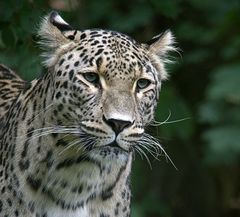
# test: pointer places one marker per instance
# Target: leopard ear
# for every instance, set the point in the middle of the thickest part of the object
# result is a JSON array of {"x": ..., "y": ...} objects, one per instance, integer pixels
[
  {"x": 158, "y": 48},
  {"x": 56, "y": 35},
  {"x": 162, "y": 44}
]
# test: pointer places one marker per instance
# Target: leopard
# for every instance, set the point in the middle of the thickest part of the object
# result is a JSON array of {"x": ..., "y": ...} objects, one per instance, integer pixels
[{"x": 69, "y": 137}]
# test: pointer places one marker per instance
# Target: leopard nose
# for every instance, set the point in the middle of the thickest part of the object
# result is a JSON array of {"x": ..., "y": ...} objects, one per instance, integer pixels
[{"x": 117, "y": 125}]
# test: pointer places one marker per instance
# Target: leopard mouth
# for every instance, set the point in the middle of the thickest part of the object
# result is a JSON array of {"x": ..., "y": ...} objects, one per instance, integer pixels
[
  {"x": 116, "y": 146},
  {"x": 88, "y": 144}
]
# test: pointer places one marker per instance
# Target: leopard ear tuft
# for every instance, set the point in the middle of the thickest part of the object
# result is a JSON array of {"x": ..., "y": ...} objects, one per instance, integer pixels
[
  {"x": 55, "y": 38},
  {"x": 159, "y": 48},
  {"x": 162, "y": 44},
  {"x": 58, "y": 21}
]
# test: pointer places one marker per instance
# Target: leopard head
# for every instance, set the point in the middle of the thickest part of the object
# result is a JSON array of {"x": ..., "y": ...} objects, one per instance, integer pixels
[{"x": 106, "y": 85}]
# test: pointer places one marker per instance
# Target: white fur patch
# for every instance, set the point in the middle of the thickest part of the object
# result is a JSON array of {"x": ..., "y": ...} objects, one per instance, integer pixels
[
  {"x": 59, "y": 19},
  {"x": 83, "y": 212}
]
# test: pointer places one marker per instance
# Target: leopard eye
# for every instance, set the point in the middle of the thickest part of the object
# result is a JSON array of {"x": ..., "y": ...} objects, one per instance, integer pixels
[
  {"x": 143, "y": 83},
  {"x": 91, "y": 77}
]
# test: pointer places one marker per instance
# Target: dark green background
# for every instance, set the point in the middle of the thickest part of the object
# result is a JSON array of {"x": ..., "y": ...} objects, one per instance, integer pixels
[{"x": 204, "y": 86}]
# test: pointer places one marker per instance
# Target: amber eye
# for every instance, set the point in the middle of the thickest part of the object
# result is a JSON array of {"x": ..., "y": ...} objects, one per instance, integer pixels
[
  {"x": 91, "y": 77},
  {"x": 143, "y": 83}
]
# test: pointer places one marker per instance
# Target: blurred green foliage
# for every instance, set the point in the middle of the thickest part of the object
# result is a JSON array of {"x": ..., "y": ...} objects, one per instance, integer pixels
[{"x": 204, "y": 87}]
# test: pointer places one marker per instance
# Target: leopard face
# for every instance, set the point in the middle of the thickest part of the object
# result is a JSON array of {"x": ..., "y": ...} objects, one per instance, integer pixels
[
  {"x": 109, "y": 91},
  {"x": 106, "y": 85}
]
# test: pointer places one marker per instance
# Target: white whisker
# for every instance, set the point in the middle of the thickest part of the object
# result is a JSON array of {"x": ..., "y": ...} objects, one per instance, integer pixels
[
  {"x": 166, "y": 121},
  {"x": 136, "y": 149},
  {"x": 144, "y": 154},
  {"x": 71, "y": 144},
  {"x": 153, "y": 154},
  {"x": 45, "y": 110},
  {"x": 152, "y": 146}
]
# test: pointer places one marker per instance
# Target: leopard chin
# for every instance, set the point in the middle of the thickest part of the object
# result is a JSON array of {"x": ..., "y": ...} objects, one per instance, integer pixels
[{"x": 111, "y": 151}]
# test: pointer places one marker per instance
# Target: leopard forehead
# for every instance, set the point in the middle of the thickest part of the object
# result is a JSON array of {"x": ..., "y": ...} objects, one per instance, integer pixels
[{"x": 107, "y": 52}]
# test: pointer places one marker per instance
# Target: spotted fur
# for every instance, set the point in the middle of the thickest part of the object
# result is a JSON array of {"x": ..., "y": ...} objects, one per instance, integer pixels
[
  {"x": 10, "y": 87},
  {"x": 67, "y": 138}
]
